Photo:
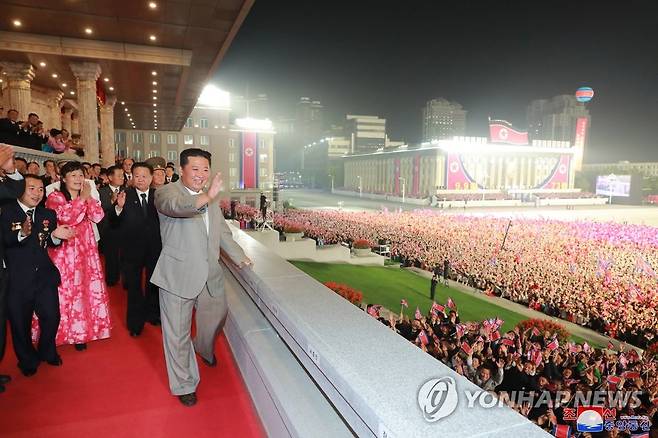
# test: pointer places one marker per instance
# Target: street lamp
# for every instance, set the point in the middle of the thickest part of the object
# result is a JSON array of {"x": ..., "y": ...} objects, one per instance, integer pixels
[
  {"x": 404, "y": 185},
  {"x": 360, "y": 187},
  {"x": 332, "y": 183}
]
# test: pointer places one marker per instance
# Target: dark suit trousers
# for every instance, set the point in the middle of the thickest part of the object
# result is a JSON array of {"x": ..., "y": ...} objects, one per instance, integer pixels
[
  {"x": 143, "y": 297},
  {"x": 3, "y": 311},
  {"x": 44, "y": 301},
  {"x": 112, "y": 263}
]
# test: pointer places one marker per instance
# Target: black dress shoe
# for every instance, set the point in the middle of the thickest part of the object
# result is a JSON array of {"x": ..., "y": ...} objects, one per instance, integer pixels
[
  {"x": 55, "y": 362},
  {"x": 4, "y": 379},
  {"x": 80, "y": 347},
  {"x": 211, "y": 363},
  {"x": 188, "y": 400},
  {"x": 27, "y": 372}
]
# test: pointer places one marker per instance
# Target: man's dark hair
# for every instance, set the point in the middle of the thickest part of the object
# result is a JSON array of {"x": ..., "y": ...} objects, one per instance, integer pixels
[
  {"x": 170, "y": 163},
  {"x": 170, "y": 166},
  {"x": 194, "y": 152},
  {"x": 142, "y": 164},
  {"x": 33, "y": 114},
  {"x": 112, "y": 169},
  {"x": 86, "y": 163},
  {"x": 48, "y": 161},
  {"x": 96, "y": 165},
  {"x": 21, "y": 159},
  {"x": 32, "y": 176},
  {"x": 12, "y": 111}
]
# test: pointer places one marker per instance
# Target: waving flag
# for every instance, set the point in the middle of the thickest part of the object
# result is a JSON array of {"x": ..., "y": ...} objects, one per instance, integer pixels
[
  {"x": 423, "y": 337},
  {"x": 586, "y": 347},
  {"x": 561, "y": 431},
  {"x": 641, "y": 435},
  {"x": 418, "y": 315},
  {"x": 374, "y": 310},
  {"x": 404, "y": 303},
  {"x": 460, "y": 330},
  {"x": 451, "y": 304},
  {"x": 501, "y": 131},
  {"x": 553, "y": 345},
  {"x": 630, "y": 375},
  {"x": 466, "y": 348},
  {"x": 495, "y": 335}
]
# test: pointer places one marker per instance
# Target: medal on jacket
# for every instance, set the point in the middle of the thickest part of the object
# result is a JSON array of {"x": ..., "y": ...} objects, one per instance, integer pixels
[
  {"x": 43, "y": 236},
  {"x": 16, "y": 226}
]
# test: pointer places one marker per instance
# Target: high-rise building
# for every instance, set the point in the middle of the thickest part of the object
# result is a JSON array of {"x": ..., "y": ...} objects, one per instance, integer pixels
[
  {"x": 555, "y": 118},
  {"x": 367, "y": 133},
  {"x": 443, "y": 119},
  {"x": 561, "y": 118}
]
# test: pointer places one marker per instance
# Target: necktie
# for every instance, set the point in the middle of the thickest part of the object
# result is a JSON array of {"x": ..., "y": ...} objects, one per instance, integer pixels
[
  {"x": 30, "y": 214},
  {"x": 145, "y": 211}
]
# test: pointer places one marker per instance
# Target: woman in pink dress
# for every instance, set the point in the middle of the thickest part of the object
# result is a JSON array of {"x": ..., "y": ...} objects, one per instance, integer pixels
[{"x": 83, "y": 300}]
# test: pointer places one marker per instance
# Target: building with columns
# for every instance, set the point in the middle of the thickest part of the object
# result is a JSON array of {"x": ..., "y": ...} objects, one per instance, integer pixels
[
  {"x": 461, "y": 163},
  {"x": 130, "y": 66}
]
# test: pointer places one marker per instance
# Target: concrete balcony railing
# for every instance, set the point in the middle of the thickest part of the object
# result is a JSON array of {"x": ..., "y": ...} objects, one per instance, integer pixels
[
  {"x": 40, "y": 156},
  {"x": 317, "y": 366}
]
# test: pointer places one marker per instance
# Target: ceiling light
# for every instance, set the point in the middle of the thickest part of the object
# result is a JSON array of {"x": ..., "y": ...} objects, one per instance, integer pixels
[
  {"x": 125, "y": 109},
  {"x": 17, "y": 23},
  {"x": 155, "y": 83},
  {"x": 152, "y": 37},
  {"x": 107, "y": 79},
  {"x": 154, "y": 73},
  {"x": 155, "y": 91},
  {"x": 155, "y": 104},
  {"x": 153, "y": 5},
  {"x": 42, "y": 64},
  {"x": 155, "y": 111},
  {"x": 64, "y": 85},
  {"x": 123, "y": 103},
  {"x": 111, "y": 88},
  {"x": 88, "y": 31},
  {"x": 128, "y": 114},
  {"x": 71, "y": 92},
  {"x": 54, "y": 75},
  {"x": 155, "y": 97}
]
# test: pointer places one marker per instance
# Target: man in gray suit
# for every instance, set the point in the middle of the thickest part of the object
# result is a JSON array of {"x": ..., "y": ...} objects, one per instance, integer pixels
[{"x": 188, "y": 272}]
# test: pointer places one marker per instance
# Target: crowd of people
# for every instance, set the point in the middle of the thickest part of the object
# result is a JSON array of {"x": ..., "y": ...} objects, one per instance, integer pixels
[
  {"x": 56, "y": 221},
  {"x": 535, "y": 373},
  {"x": 600, "y": 275},
  {"x": 31, "y": 134}
]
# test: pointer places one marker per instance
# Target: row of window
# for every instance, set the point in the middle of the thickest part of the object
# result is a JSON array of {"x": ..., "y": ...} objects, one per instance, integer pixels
[{"x": 154, "y": 138}]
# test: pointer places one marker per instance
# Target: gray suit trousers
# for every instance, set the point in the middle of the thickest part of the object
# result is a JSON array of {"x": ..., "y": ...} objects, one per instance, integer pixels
[{"x": 179, "y": 348}]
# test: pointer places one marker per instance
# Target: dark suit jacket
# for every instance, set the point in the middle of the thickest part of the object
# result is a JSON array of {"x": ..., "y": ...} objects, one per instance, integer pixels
[
  {"x": 9, "y": 191},
  {"x": 27, "y": 259},
  {"x": 107, "y": 229},
  {"x": 9, "y": 131},
  {"x": 139, "y": 235}
]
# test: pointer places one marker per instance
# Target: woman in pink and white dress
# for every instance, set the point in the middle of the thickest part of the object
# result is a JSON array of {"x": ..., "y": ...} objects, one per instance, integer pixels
[{"x": 83, "y": 299}]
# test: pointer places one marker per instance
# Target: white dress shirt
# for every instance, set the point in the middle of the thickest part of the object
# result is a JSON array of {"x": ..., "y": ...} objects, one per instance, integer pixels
[
  {"x": 25, "y": 208},
  {"x": 205, "y": 213}
]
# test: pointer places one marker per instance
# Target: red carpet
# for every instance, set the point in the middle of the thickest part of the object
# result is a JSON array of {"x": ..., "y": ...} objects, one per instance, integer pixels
[{"x": 118, "y": 388}]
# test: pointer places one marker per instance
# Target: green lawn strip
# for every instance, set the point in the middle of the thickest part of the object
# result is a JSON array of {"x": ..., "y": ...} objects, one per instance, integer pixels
[{"x": 387, "y": 286}]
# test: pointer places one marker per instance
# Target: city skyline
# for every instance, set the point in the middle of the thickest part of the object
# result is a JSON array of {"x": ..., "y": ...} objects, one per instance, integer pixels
[{"x": 493, "y": 62}]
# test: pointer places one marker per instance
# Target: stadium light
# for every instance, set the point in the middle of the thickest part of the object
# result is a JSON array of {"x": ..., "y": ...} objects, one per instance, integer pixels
[{"x": 214, "y": 97}]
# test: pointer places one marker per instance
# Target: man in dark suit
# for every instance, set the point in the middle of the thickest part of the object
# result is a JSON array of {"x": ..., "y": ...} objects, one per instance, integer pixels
[
  {"x": 109, "y": 232},
  {"x": 433, "y": 283},
  {"x": 140, "y": 242},
  {"x": 263, "y": 206},
  {"x": 446, "y": 271},
  {"x": 11, "y": 187},
  {"x": 28, "y": 230},
  {"x": 127, "y": 171},
  {"x": 9, "y": 128}
]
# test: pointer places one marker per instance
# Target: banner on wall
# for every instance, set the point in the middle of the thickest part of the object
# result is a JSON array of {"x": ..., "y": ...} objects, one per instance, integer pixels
[
  {"x": 396, "y": 175},
  {"x": 249, "y": 175},
  {"x": 559, "y": 176},
  {"x": 415, "y": 184},
  {"x": 456, "y": 177}
]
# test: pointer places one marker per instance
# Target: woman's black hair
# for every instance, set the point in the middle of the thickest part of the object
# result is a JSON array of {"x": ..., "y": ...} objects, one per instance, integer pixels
[{"x": 69, "y": 167}]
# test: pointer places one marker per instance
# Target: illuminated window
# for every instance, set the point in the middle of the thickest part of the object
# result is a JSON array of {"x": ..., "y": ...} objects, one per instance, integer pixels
[
  {"x": 172, "y": 139},
  {"x": 137, "y": 137},
  {"x": 204, "y": 140},
  {"x": 188, "y": 139},
  {"x": 171, "y": 155},
  {"x": 189, "y": 122},
  {"x": 231, "y": 143},
  {"x": 203, "y": 123},
  {"x": 231, "y": 157},
  {"x": 154, "y": 138},
  {"x": 232, "y": 171}
]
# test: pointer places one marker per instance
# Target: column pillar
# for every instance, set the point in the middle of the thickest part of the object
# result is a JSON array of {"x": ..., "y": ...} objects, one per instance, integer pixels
[
  {"x": 66, "y": 119},
  {"x": 75, "y": 122},
  {"x": 86, "y": 74},
  {"x": 19, "y": 77},
  {"x": 107, "y": 132},
  {"x": 55, "y": 104}
]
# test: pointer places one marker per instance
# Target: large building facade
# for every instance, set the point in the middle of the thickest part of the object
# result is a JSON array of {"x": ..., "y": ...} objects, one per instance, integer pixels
[
  {"x": 461, "y": 163},
  {"x": 242, "y": 148},
  {"x": 443, "y": 119}
]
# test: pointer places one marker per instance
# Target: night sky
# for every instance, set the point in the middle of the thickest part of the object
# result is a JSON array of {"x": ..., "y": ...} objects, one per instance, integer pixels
[{"x": 388, "y": 58}]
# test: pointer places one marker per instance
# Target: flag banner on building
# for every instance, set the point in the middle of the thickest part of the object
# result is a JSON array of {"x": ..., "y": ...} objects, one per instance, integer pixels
[
  {"x": 396, "y": 175},
  {"x": 581, "y": 132},
  {"x": 559, "y": 176},
  {"x": 501, "y": 131},
  {"x": 456, "y": 176},
  {"x": 561, "y": 431},
  {"x": 415, "y": 185},
  {"x": 249, "y": 177}
]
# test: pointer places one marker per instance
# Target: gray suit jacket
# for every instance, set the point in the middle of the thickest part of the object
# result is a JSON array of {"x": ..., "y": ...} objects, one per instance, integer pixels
[{"x": 190, "y": 256}]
